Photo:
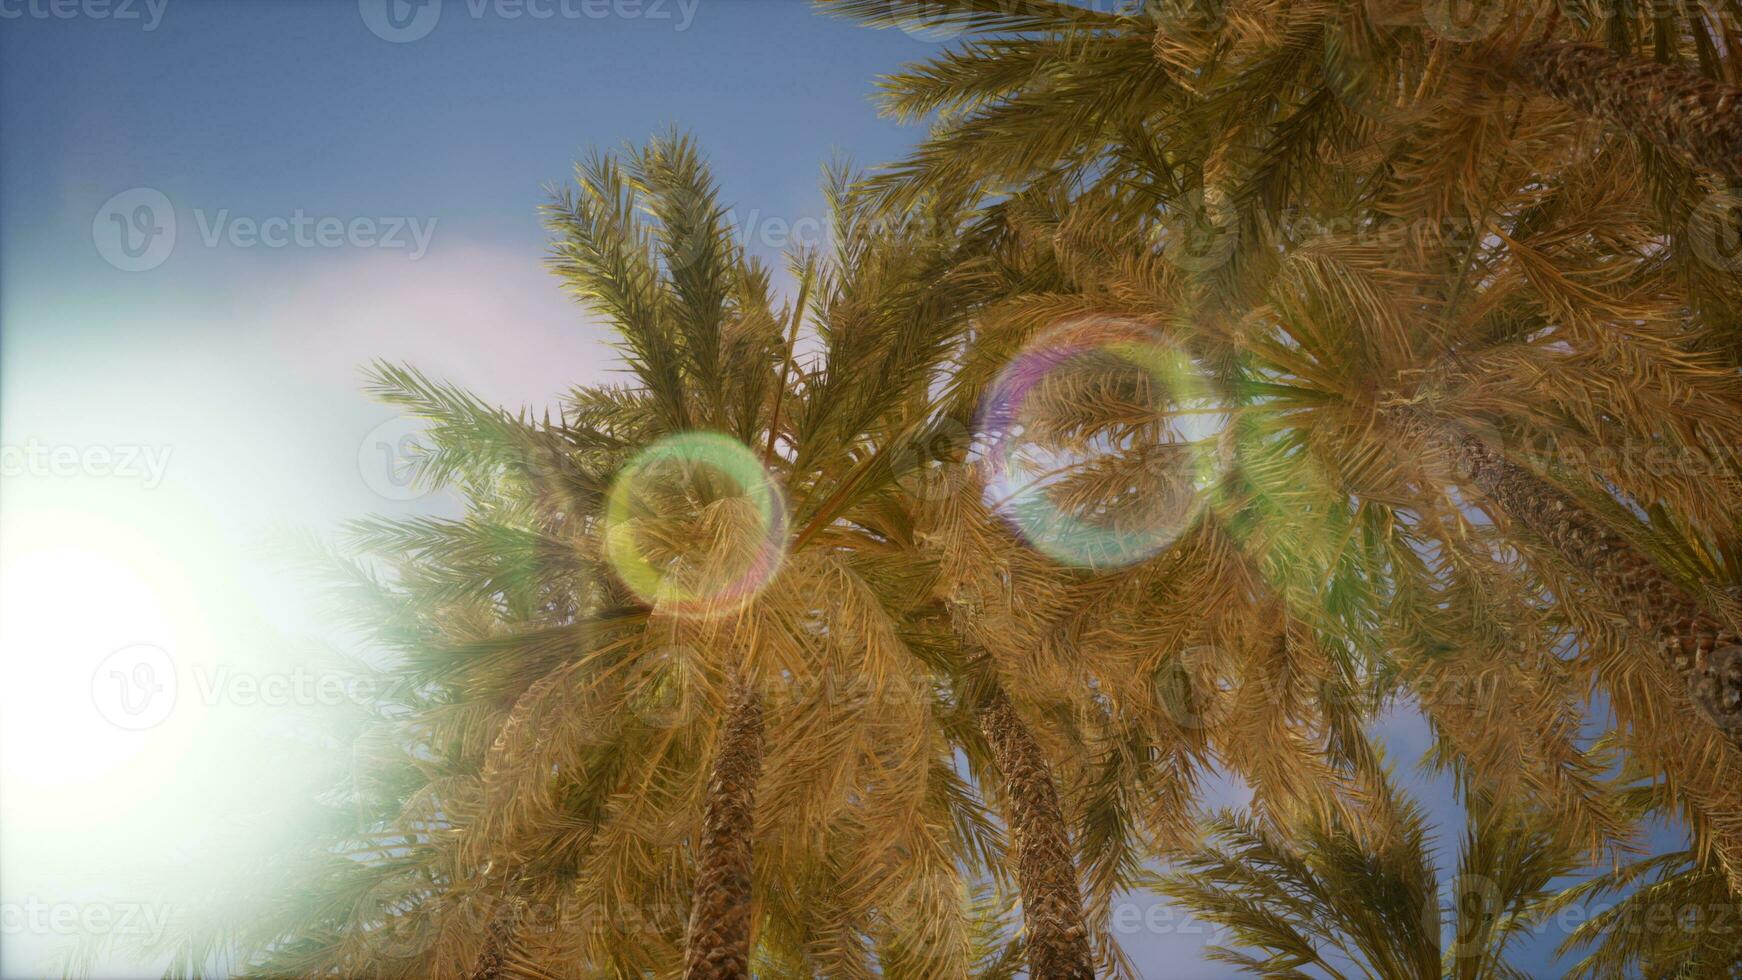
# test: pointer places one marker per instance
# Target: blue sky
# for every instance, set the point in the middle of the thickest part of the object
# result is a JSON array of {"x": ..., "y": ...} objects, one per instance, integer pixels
[{"x": 227, "y": 371}]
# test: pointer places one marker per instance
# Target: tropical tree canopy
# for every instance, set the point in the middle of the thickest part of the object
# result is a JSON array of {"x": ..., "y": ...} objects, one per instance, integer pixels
[
  {"x": 1365, "y": 899},
  {"x": 1213, "y": 379}
]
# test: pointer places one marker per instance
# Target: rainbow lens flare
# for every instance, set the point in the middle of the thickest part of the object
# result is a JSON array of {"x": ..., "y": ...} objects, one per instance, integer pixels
[
  {"x": 1101, "y": 438},
  {"x": 695, "y": 525}
]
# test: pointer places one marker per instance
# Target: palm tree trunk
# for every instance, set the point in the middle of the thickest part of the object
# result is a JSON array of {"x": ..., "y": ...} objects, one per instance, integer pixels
[
  {"x": 718, "y": 943},
  {"x": 1695, "y": 118},
  {"x": 1703, "y": 651},
  {"x": 492, "y": 961},
  {"x": 1052, "y": 901}
]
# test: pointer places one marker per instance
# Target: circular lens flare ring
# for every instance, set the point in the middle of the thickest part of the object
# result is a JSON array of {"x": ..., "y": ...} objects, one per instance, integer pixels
[
  {"x": 1023, "y": 483},
  {"x": 674, "y": 586}
]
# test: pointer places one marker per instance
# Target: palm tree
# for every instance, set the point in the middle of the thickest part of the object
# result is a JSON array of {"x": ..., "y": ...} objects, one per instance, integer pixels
[
  {"x": 1118, "y": 647},
  {"x": 707, "y": 351},
  {"x": 719, "y": 928},
  {"x": 1057, "y": 100},
  {"x": 982, "y": 649},
  {"x": 1678, "y": 920},
  {"x": 587, "y": 757},
  {"x": 1673, "y": 914},
  {"x": 1242, "y": 124},
  {"x": 1029, "y": 78},
  {"x": 1052, "y": 908},
  {"x": 1704, "y": 650},
  {"x": 1325, "y": 384},
  {"x": 1364, "y": 898},
  {"x": 862, "y": 322},
  {"x": 1148, "y": 674},
  {"x": 1695, "y": 117},
  {"x": 567, "y": 745}
]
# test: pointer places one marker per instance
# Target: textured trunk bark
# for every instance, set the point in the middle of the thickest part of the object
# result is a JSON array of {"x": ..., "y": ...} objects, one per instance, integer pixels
[
  {"x": 492, "y": 961},
  {"x": 1052, "y": 902},
  {"x": 1702, "y": 650},
  {"x": 1693, "y": 117},
  {"x": 718, "y": 943}
]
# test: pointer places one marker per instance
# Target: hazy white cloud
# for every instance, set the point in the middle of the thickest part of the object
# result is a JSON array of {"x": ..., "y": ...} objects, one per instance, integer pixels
[{"x": 493, "y": 320}]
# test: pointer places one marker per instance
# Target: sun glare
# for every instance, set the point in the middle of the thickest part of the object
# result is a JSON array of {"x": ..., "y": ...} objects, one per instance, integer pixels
[{"x": 93, "y": 623}]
